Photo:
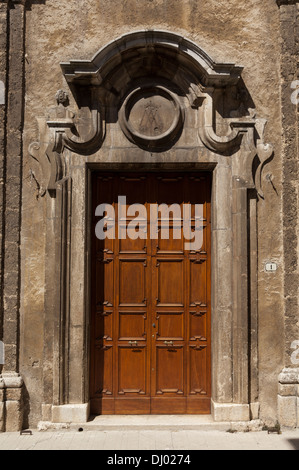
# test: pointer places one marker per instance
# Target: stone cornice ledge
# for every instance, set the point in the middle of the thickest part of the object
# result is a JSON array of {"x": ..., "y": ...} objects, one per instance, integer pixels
[{"x": 289, "y": 376}]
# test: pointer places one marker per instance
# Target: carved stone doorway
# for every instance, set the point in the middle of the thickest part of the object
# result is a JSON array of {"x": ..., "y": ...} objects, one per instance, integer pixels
[{"x": 209, "y": 124}]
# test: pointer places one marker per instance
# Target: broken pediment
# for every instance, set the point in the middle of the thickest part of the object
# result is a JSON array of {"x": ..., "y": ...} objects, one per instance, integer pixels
[{"x": 148, "y": 83}]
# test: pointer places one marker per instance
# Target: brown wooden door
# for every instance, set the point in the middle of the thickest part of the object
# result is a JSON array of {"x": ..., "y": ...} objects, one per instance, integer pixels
[{"x": 150, "y": 318}]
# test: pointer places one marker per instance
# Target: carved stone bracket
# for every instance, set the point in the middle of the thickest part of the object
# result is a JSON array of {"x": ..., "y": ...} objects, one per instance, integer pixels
[
  {"x": 247, "y": 131},
  {"x": 60, "y": 132}
]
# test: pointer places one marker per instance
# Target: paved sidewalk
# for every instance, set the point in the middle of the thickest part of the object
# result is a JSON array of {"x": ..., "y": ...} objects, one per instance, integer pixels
[{"x": 149, "y": 440}]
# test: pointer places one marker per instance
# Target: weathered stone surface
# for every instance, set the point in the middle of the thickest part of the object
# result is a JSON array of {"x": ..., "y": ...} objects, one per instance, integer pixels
[
  {"x": 287, "y": 390},
  {"x": 287, "y": 411},
  {"x": 254, "y": 411},
  {"x": 13, "y": 416},
  {"x": 70, "y": 414},
  {"x": 230, "y": 412},
  {"x": 289, "y": 376}
]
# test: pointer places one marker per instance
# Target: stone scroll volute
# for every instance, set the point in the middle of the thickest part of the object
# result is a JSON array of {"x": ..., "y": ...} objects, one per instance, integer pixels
[{"x": 59, "y": 130}]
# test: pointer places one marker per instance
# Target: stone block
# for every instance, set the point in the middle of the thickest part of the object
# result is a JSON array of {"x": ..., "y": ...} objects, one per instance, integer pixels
[
  {"x": 13, "y": 394},
  {"x": 14, "y": 416},
  {"x": 46, "y": 412},
  {"x": 254, "y": 411},
  {"x": 287, "y": 390},
  {"x": 287, "y": 411},
  {"x": 230, "y": 412},
  {"x": 70, "y": 413},
  {"x": 289, "y": 376}
]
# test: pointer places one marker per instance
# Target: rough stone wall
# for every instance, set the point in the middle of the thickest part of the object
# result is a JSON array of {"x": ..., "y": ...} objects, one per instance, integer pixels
[
  {"x": 288, "y": 399},
  {"x": 3, "y": 60},
  {"x": 12, "y": 17},
  {"x": 289, "y": 15}
]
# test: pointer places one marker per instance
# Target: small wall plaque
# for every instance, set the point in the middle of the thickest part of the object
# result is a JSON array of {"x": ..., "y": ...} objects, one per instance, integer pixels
[{"x": 270, "y": 267}]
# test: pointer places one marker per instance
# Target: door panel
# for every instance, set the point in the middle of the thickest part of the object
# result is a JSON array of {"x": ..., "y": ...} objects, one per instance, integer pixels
[
  {"x": 132, "y": 359},
  {"x": 132, "y": 282},
  {"x": 132, "y": 326},
  {"x": 169, "y": 370},
  {"x": 170, "y": 326},
  {"x": 169, "y": 275},
  {"x": 198, "y": 325},
  {"x": 198, "y": 275},
  {"x": 150, "y": 319},
  {"x": 198, "y": 372}
]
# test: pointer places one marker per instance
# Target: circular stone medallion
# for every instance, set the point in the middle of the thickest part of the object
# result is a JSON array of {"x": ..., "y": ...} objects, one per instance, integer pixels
[{"x": 151, "y": 117}]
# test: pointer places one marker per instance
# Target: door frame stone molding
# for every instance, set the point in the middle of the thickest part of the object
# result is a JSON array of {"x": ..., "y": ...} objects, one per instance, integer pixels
[{"x": 75, "y": 142}]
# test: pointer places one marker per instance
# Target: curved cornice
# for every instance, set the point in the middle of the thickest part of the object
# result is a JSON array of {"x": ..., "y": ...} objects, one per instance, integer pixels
[{"x": 93, "y": 72}]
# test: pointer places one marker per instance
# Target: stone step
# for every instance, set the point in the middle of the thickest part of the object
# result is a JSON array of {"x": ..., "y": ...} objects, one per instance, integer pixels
[{"x": 152, "y": 422}]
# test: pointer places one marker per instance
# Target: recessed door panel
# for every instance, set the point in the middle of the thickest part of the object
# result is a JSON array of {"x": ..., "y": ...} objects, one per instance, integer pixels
[
  {"x": 198, "y": 371},
  {"x": 132, "y": 370},
  {"x": 168, "y": 241},
  {"x": 169, "y": 371},
  {"x": 132, "y": 282},
  {"x": 132, "y": 325},
  {"x": 198, "y": 282},
  {"x": 198, "y": 325},
  {"x": 170, "y": 326},
  {"x": 169, "y": 274},
  {"x": 103, "y": 385}
]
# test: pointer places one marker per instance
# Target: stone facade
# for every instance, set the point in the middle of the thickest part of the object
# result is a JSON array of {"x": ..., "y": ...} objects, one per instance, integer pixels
[{"x": 229, "y": 67}]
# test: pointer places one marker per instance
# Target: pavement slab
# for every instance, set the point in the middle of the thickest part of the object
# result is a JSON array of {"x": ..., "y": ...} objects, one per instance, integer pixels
[{"x": 149, "y": 440}]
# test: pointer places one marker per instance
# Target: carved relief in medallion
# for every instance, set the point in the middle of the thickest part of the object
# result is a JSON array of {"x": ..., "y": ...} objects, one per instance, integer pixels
[{"x": 151, "y": 117}]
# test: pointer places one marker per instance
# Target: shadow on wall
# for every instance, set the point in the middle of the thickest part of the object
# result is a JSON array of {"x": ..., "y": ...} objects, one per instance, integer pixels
[
  {"x": 34, "y": 2},
  {"x": 26, "y": 407},
  {"x": 294, "y": 443}
]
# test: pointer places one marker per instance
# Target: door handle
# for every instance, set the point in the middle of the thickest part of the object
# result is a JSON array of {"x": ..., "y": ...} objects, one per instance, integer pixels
[
  {"x": 168, "y": 343},
  {"x": 133, "y": 343}
]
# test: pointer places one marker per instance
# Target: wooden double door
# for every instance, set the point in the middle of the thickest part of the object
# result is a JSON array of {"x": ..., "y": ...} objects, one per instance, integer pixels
[{"x": 150, "y": 312}]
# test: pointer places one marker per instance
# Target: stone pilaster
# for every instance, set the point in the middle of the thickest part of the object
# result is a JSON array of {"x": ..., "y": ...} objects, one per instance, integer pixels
[
  {"x": 3, "y": 100},
  {"x": 11, "y": 145},
  {"x": 288, "y": 394},
  {"x": 289, "y": 20},
  {"x": 13, "y": 403},
  {"x": 288, "y": 398}
]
